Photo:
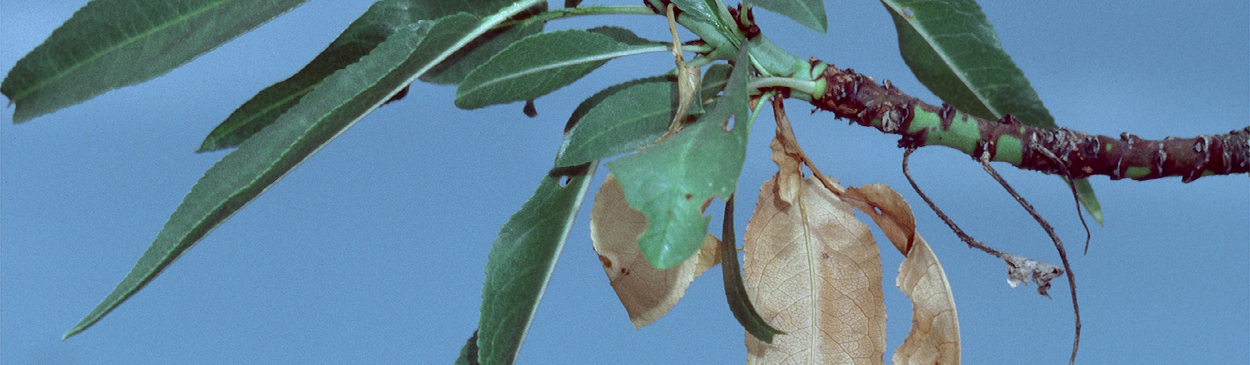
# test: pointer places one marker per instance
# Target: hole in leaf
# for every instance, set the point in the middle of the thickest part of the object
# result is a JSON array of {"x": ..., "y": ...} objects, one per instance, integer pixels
[
  {"x": 907, "y": 13},
  {"x": 729, "y": 124},
  {"x": 565, "y": 180}
]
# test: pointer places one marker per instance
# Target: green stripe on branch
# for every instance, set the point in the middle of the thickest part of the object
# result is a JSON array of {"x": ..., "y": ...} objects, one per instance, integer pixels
[{"x": 861, "y": 100}]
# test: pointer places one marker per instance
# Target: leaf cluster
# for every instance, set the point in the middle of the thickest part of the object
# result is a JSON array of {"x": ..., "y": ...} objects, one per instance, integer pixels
[{"x": 498, "y": 52}]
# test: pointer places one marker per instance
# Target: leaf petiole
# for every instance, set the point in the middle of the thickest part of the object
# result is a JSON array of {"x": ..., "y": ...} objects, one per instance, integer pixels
[{"x": 805, "y": 87}]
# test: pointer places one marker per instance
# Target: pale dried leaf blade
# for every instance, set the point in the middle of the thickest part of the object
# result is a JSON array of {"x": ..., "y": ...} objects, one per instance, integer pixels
[
  {"x": 934, "y": 335},
  {"x": 646, "y": 293},
  {"x": 888, "y": 210},
  {"x": 790, "y": 168},
  {"x": 814, "y": 271}
]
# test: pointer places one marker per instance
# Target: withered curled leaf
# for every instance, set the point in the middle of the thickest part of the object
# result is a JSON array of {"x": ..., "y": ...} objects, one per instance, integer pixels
[
  {"x": 813, "y": 270},
  {"x": 934, "y": 335},
  {"x": 647, "y": 293}
]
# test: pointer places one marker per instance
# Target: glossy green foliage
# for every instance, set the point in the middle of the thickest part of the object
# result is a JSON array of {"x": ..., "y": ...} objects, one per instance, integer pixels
[
  {"x": 628, "y": 116},
  {"x": 735, "y": 289},
  {"x": 953, "y": 50},
  {"x": 671, "y": 181},
  {"x": 468, "y": 353},
  {"x": 541, "y": 63},
  {"x": 522, "y": 259},
  {"x": 362, "y": 36},
  {"x": 703, "y": 10},
  {"x": 809, "y": 13},
  {"x": 338, "y": 102},
  {"x": 453, "y": 70},
  {"x": 710, "y": 21},
  {"x": 96, "y": 50}
]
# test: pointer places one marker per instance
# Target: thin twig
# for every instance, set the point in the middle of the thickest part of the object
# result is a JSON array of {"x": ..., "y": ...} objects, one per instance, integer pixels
[
  {"x": 1063, "y": 255},
  {"x": 973, "y": 243},
  {"x": 1067, "y": 178}
]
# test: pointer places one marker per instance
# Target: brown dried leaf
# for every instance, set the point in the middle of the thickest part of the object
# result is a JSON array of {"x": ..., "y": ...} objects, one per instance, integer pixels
[
  {"x": 888, "y": 210},
  {"x": 790, "y": 170},
  {"x": 934, "y": 336},
  {"x": 814, "y": 271},
  {"x": 647, "y": 293}
]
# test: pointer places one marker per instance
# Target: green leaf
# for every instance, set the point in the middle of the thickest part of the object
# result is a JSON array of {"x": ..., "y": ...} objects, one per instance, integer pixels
[
  {"x": 382, "y": 20},
  {"x": 340, "y": 101},
  {"x": 453, "y": 70},
  {"x": 626, "y": 36},
  {"x": 953, "y": 50},
  {"x": 522, "y": 260},
  {"x": 735, "y": 290},
  {"x": 96, "y": 50},
  {"x": 1085, "y": 193},
  {"x": 540, "y": 64},
  {"x": 468, "y": 353},
  {"x": 670, "y": 181},
  {"x": 703, "y": 10},
  {"x": 628, "y": 116},
  {"x": 809, "y": 13}
]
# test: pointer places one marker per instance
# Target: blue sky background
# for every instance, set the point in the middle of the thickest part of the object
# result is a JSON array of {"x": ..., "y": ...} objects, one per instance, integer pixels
[{"x": 372, "y": 251}]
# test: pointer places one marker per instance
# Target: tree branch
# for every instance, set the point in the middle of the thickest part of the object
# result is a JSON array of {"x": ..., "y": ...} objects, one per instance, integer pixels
[{"x": 862, "y": 101}]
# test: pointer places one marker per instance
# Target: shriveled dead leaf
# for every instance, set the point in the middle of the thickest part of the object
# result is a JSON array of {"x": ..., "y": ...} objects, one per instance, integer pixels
[
  {"x": 790, "y": 170},
  {"x": 647, "y": 293},
  {"x": 1020, "y": 268},
  {"x": 814, "y": 271},
  {"x": 934, "y": 335}
]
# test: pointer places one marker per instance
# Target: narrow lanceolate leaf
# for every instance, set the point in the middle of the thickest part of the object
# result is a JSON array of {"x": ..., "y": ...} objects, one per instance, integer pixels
[
  {"x": 670, "y": 182},
  {"x": 953, "y": 50},
  {"x": 809, "y": 13},
  {"x": 468, "y": 353},
  {"x": 628, "y": 116},
  {"x": 735, "y": 289},
  {"x": 454, "y": 69},
  {"x": 704, "y": 10},
  {"x": 521, "y": 262},
  {"x": 382, "y": 20},
  {"x": 114, "y": 43},
  {"x": 332, "y": 107},
  {"x": 540, "y": 64}
]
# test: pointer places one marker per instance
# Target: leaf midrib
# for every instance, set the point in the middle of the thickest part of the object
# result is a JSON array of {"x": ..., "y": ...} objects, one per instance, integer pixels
[
  {"x": 943, "y": 54},
  {"x": 633, "y": 50},
  {"x": 812, "y": 276},
  {"x": 109, "y": 50}
]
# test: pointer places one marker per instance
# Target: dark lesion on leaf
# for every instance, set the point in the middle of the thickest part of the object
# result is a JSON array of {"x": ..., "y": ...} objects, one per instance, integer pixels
[{"x": 399, "y": 95}]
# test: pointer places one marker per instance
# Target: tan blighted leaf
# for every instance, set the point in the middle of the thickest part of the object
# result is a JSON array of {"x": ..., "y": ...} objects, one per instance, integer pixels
[
  {"x": 789, "y": 164},
  {"x": 814, "y": 271},
  {"x": 934, "y": 336},
  {"x": 647, "y": 293}
]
